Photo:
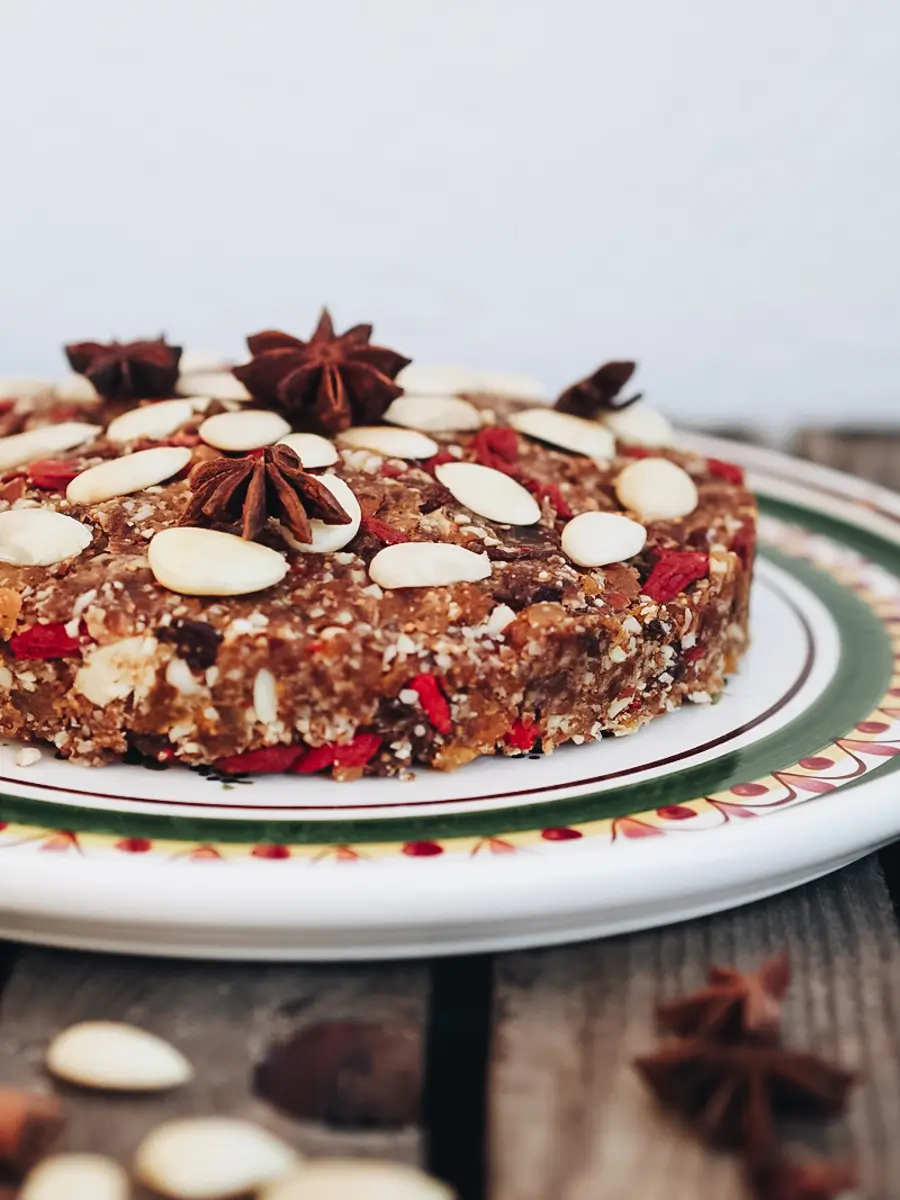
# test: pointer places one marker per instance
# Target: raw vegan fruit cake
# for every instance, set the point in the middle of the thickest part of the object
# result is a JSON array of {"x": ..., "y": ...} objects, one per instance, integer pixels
[{"x": 331, "y": 559}]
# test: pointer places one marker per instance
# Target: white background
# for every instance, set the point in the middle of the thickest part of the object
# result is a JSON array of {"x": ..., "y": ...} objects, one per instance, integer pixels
[{"x": 711, "y": 187}]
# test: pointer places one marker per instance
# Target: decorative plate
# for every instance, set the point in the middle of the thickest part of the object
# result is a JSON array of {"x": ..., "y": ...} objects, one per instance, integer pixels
[{"x": 790, "y": 776}]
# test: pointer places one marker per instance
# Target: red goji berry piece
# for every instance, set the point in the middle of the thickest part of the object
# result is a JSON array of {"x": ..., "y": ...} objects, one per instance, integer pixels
[
  {"x": 13, "y": 489},
  {"x": 636, "y": 451},
  {"x": 496, "y": 446},
  {"x": 433, "y": 701},
  {"x": 743, "y": 543},
  {"x": 7, "y": 405},
  {"x": 437, "y": 460},
  {"x": 673, "y": 572},
  {"x": 521, "y": 734},
  {"x": 363, "y": 748},
  {"x": 728, "y": 471},
  {"x": 315, "y": 759},
  {"x": 268, "y": 760},
  {"x": 693, "y": 654},
  {"x": 52, "y": 475},
  {"x": 551, "y": 492},
  {"x": 381, "y": 530},
  {"x": 392, "y": 471},
  {"x": 44, "y": 641}
]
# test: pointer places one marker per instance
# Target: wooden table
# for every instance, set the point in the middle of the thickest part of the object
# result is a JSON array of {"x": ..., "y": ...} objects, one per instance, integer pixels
[{"x": 508, "y": 1076}]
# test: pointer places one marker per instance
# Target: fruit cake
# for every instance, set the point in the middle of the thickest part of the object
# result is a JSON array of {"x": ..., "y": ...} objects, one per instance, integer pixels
[{"x": 331, "y": 559}]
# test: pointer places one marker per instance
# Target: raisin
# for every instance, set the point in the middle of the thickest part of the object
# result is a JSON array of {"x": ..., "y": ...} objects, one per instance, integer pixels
[{"x": 197, "y": 642}]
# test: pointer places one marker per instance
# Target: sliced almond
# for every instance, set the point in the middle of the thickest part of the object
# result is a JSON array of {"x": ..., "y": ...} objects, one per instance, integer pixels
[
  {"x": 657, "y": 489},
  {"x": 427, "y": 564},
  {"x": 433, "y": 414},
  {"x": 423, "y": 380},
  {"x": 76, "y": 1177},
  {"x": 594, "y": 539},
  {"x": 207, "y": 562},
  {"x": 247, "y": 430},
  {"x": 313, "y": 451},
  {"x": 640, "y": 425},
  {"x": 568, "y": 432},
  {"x": 212, "y": 1158},
  {"x": 152, "y": 420},
  {"x": 358, "y": 1179},
  {"x": 77, "y": 389},
  {"x": 195, "y": 362},
  {"x": 130, "y": 473},
  {"x": 40, "y": 537},
  {"x": 326, "y": 539},
  {"x": 489, "y": 493},
  {"x": 25, "y": 389},
  {"x": 116, "y": 1057},
  {"x": 218, "y": 385},
  {"x": 41, "y": 443},
  {"x": 389, "y": 441}
]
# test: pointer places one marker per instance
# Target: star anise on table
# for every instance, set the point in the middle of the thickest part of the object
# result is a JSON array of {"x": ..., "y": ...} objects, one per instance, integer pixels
[
  {"x": 127, "y": 370},
  {"x": 733, "y": 1005},
  {"x": 599, "y": 393},
  {"x": 249, "y": 490},
  {"x": 326, "y": 384},
  {"x": 730, "y": 1091}
]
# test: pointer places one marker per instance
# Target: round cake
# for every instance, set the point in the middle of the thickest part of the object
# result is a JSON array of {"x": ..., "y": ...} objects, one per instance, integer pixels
[{"x": 331, "y": 559}]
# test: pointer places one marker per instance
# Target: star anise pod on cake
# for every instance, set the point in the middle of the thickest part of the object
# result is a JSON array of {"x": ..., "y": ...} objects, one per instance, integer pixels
[
  {"x": 328, "y": 383},
  {"x": 599, "y": 393},
  {"x": 127, "y": 370},
  {"x": 249, "y": 490},
  {"x": 733, "y": 1004}
]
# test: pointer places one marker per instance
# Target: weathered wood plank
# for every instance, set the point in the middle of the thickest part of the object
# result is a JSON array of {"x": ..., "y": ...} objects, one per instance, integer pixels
[
  {"x": 225, "y": 1018},
  {"x": 873, "y": 454},
  {"x": 568, "y": 1116}
]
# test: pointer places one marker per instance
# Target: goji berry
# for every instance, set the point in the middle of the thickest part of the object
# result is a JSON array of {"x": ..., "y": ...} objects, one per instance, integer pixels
[
  {"x": 550, "y": 492},
  {"x": 521, "y": 734},
  {"x": 693, "y": 654},
  {"x": 381, "y": 530},
  {"x": 268, "y": 760},
  {"x": 437, "y": 460},
  {"x": 315, "y": 759},
  {"x": 496, "y": 446},
  {"x": 728, "y": 471},
  {"x": 7, "y": 405},
  {"x": 672, "y": 573},
  {"x": 743, "y": 543},
  {"x": 392, "y": 471},
  {"x": 44, "y": 641},
  {"x": 433, "y": 701},
  {"x": 52, "y": 475},
  {"x": 363, "y": 748},
  {"x": 636, "y": 451}
]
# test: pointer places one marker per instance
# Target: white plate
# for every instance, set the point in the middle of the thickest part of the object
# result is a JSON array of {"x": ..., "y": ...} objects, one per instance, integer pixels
[{"x": 709, "y": 807}]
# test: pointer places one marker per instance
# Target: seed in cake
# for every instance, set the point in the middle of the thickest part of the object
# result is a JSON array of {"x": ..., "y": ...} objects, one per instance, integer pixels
[
  {"x": 595, "y": 539},
  {"x": 391, "y": 441},
  {"x": 657, "y": 489},
  {"x": 246, "y": 430},
  {"x": 489, "y": 492},
  {"x": 130, "y": 473},
  {"x": 566, "y": 431}
]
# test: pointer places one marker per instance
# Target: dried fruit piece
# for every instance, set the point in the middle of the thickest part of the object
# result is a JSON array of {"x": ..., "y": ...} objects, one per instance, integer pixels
[
  {"x": 51, "y": 474},
  {"x": 728, "y": 471},
  {"x": 521, "y": 735},
  {"x": 197, "y": 642},
  {"x": 44, "y": 641},
  {"x": 357, "y": 753},
  {"x": 496, "y": 446},
  {"x": 381, "y": 530},
  {"x": 317, "y": 758},
  {"x": 550, "y": 492},
  {"x": 672, "y": 573},
  {"x": 433, "y": 701},
  {"x": 268, "y": 760},
  {"x": 117, "y": 1057}
]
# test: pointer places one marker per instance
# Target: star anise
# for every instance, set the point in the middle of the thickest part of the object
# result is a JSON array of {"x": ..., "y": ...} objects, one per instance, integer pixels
[
  {"x": 733, "y": 1005},
  {"x": 127, "y": 370},
  {"x": 808, "y": 1179},
  {"x": 599, "y": 393},
  {"x": 328, "y": 383},
  {"x": 249, "y": 490},
  {"x": 731, "y": 1091}
]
